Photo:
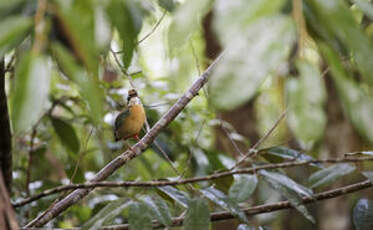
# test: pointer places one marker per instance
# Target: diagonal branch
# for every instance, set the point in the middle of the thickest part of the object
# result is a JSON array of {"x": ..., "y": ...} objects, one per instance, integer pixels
[
  {"x": 255, "y": 210},
  {"x": 125, "y": 157},
  {"x": 157, "y": 183}
]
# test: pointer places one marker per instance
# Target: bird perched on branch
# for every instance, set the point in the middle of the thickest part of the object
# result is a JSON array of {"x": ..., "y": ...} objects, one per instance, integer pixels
[{"x": 129, "y": 122}]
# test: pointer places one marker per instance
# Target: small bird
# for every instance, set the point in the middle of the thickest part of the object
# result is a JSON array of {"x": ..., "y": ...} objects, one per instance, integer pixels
[{"x": 129, "y": 122}]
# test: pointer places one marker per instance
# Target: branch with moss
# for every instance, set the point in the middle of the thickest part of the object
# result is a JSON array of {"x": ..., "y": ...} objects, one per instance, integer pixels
[
  {"x": 125, "y": 157},
  {"x": 255, "y": 210},
  {"x": 153, "y": 184}
]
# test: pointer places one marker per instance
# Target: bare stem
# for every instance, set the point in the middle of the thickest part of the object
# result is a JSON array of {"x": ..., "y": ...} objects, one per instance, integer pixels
[{"x": 153, "y": 184}]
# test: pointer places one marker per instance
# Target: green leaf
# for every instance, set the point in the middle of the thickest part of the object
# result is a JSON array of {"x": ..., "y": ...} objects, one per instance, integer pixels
[
  {"x": 289, "y": 189},
  {"x": 186, "y": 20},
  {"x": 109, "y": 212},
  {"x": 13, "y": 31},
  {"x": 139, "y": 217},
  {"x": 243, "y": 187},
  {"x": 230, "y": 20},
  {"x": 168, "y": 5},
  {"x": 369, "y": 175},
  {"x": 197, "y": 216},
  {"x": 306, "y": 98},
  {"x": 126, "y": 17},
  {"x": 176, "y": 195},
  {"x": 353, "y": 96},
  {"x": 279, "y": 153},
  {"x": 80, "y": 36},
  {"x": 66, "y": 134},
  {"x": 330, "y": 174},
  {"x": 8, "y": 8},
  {"x": 220, "y": 199},
  {"x": 238, "y": 77},
  {"x": 363, "y": 215},
  {"x": 30, "y": 91},
  {"x": 366, "y": 7},
  {"x": 89, "y": 85},
  {"x": 334, "y": 21},
  {"x": 286, "y": 182},
  {"x": 160, "y": 209},
  {"x": 209, "y": 162}
]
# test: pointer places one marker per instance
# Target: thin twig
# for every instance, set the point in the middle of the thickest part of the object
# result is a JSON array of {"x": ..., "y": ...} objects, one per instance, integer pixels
[
  {"x": 154, "y": 28},
  {"x": 234, "y": 144},
  {"x": 81, "y": 155},
  {"x": 29, "y": 164},
  {"x": 255, "y": 210},
  {"x": 153, "y": 184},
  {"x": 149, "y": 33},
  {"x": 254, "y": 149}
]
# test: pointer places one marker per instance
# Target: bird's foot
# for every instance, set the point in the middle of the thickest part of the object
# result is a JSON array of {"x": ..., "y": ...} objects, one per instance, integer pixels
[{"x": 130, "y": 148}]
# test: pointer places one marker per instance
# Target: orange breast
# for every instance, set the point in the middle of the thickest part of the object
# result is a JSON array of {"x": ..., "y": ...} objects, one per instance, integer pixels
[{"x": 134, "y": 122}]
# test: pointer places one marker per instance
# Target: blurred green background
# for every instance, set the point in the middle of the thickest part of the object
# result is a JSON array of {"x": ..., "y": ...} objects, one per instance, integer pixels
[{"x": 68, "y": 65}]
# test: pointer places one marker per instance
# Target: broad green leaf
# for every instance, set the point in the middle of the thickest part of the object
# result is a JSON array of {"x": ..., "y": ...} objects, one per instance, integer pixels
[
  {"x": 330, "y": 174},
  {"x": 197, "y": 216},
  {"x": 109, "y": 212},
  {"x": 139, "y": 216},
  {"x": 357, "y": 103},
  {"x": 289, "y": 189},
  {"x": 89, "y": 86},
  {"x": 10, "y": 7},
  {"x": 160, "y": 209},
  {"x": 30, "y": 91},
  {"x": 230, "y": 20},
  {"x": 243, "y": 187},
  {"x": 238, "y": 77},
  {"x": 80, "y": 36},
  {"x": 363, "y": 215},
  {"x": 335, "y": 23},
  {"x": 176, "y": 195},
  {"x": 13, "y": 31},
  {"x": 286, "y": 182},
  {"x": 306, "y": 98},
  {"x": 209, "y": 162},
  {"x": 168, "y": 5},
  {"x": 369, "y": 175},
  {"x": 279, "y": 153},
  {"x": 220, "y": 199},
  {"x": 186, "y": 20},
  {"x": 366, "y": 7},
  {"x": 66, "y": 134},
  {"x": 126, "y": 17}
]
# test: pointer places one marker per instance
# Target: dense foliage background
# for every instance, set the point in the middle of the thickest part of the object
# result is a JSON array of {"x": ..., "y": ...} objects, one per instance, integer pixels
[{"x": 294, "y": 84}]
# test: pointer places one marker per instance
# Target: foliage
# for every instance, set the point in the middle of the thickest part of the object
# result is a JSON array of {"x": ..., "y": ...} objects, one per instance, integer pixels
[{"x": 72, "y": 62}]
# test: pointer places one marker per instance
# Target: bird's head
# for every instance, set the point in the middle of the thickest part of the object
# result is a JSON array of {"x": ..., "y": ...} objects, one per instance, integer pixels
[{"x": 132, "y": 98}]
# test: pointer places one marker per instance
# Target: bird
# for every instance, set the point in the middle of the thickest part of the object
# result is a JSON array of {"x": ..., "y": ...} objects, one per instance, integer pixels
[{"x": 129, "y": 122}]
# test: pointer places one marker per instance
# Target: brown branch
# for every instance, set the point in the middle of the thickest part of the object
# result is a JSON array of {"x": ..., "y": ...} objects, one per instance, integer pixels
[
  {"x": 151, "y": 184},
  {"x": 7, "y": 215},
  {"x": 255, "y": 210},
  {"x": 125, "y": 157},
  {"x": 5, "y": 134}
]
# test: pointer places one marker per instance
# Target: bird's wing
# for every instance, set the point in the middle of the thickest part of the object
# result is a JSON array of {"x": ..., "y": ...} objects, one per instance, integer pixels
[{"x": 119, "y": 122}]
